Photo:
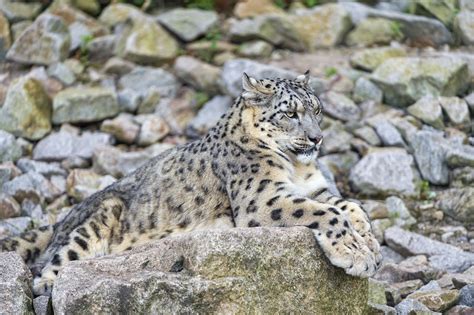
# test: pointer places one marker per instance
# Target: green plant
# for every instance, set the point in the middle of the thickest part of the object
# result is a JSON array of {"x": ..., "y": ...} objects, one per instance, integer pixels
[
  {"x": 329, "y": 72},
  {"x": 396, "y": 28},
  {"x": 425, "y": 191},
  {"x": 200, "y": 4},
  {"x": 280, "y": 3},
  {"x": 311, "y": 3},
  {"x": 83, "y": 49},
  {"x": 212, "y": 37},
  {"x": 201, "y": 98}
]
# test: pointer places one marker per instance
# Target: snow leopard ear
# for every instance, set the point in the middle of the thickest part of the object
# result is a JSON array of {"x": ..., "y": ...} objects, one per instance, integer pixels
[
  {"x": 255, "y": 93},
  {"x": 304, "y": 78}
]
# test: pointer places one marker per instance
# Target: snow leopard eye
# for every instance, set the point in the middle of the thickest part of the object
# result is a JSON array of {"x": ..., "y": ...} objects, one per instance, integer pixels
[{"x": 291, "y": 115}]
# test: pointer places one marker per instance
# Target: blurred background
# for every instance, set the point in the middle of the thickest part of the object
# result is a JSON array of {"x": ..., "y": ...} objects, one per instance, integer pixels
[{"x": 92, "y": 89}]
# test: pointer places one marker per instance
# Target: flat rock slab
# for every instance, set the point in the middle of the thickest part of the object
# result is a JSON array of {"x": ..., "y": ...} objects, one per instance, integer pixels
[
  {"x": 258, "y": 270},
  {"x": 15, "y": 279}
]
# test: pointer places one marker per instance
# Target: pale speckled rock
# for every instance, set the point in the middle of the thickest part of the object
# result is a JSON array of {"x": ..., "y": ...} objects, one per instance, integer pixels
[
  {"x": 118, "y": 13},
  {"x": 27, "y": 109},
  {"x": 84, "y": 104},
  {"x": 428, "y": 110},
  {"x": 412, "y": 307},
  {"x": 153, "y": 128},
  {"x": 188, "y": 24},
  {"x": 42, "y": 305},
  {"x": 388, "y": 134},
  {"x": 464, "y": 27},
  {"x": 443, "y": 10},
  {"x": 405, "y": 80},
  {"x": 399, "y": 213},
  {"x": 365, "y": 90},
  {"x": 31, "y": 186},
  {"x": 369, "y": 59},
  {"x": 200, "y": 75},
  {"x": 16, "y": 11},
  {"x": 5, "y": 36},
  {"x": 142, "y": 81},
  {"x": 9, "y": 207},
  {"x": 467, "y": 295},
  {"x": 44, "y": 42},
  {"x": 123, "y": 128},
  {"x": 15, "y": 226},
  {"x": 255, "y": 49},
  {"x": 436, "y": 300},
  {"x": 47, "y": 169},
  {"x": 383, "y": 172},
  {"x": 232, "y": 271},
  {"x": 456, "y": 110},
  {"x": 15, "y": 279},
  {"x": 374, "y": 31},
  {"x": 252, "y": 8},
  {"x": 62, "y": 145},
  {"x": 146, "y": 42}
]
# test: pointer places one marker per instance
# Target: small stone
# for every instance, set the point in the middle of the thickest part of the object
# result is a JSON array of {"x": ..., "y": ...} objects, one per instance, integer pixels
[
  {"x": 436, "y": 300},
  {"x": 9, "y": 148},
  {"x": 62, "y": 145},
  {"x": 9, "y": 207},
  {"x": 399, "y": 212},
  {"x": 460, "y": 310},
  {"x": 368, "y": 134},
  {"x": 369, "y": 59},
  {"x": 385, "y": 171},
  {"x": 379, "y": 309},
  {"x": 15, "y": 226},
  {"x": 42, "y": 305},
  {"x": 84, "y": 104},
  {"x": 457, "y": 203},
  {"x": 365, "y": 90},
  {"x": 8, "y": 171},
  {"x": 15, "y": 281},
  {"x": 398, "y": 291},
  {"x": 27, "y": 110},
  {"x": 461, "y": 280},
  {"x": 153, "y": 128},
  {"x": 255, "y": 49},
  {"x": 340, "y": 107},
  {"x": 123, "y": 128},
  {"x": 379, "y": 226},
  {"x": 83, "y": 183},
  {"x": 456, "y": 110},
  {"x": 460, "y": 156},
  {"x": 412, "y": 307},
  {"x": 336, "y": 139},
  {"x": 387, "y": 132},
  {"x": 144, "y": 80},
  {"x": 119, "y": 13},
  {"x": 374, "y": 31},
  {"x": 44, "y": 42},
  {"x": 413, "y": 268},
  {"x": 466, "y": 295},
  {"x": 464, "y": 27},
  {"x": 5, "y": 37},
  {"x": 146, "y": 42},
  {"x": 62, "y": 73},
  {"x": 428, "y": 110},
  {"x": 118, "y": 66},
  {"x": 188, "y": 24},
  {"x": 390, "y": 256},
  {"x": 198, "y": 74},
  {"x": 209, "y": 115},
  {"x": 405, "y": 80},
  {"x": 43, "y": 168},
  {"x": 31, "y": 186}
]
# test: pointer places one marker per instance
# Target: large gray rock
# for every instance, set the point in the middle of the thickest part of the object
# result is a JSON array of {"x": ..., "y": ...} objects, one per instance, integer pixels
[
  {"x": 430, "y": 153},
  {"x": 209, "y": 115},
  {"x": 258, "y": 270},
  {"x": 15, "y": 279},
  {"x": 62, "y": 145},
  {"x": 340, "y": 107},
  {"x": 456, "y": 110},
  {"x": 441, "y": 256},
  {"x": 46, "y": 41},
  {"x": 84, "y": 104},
  {"x": 27, "y": 109},
  {"x": 418, "y": 30},
  {"x": 385, "y": 172},
  {"x": 457, "y": 203},
  {"x": 188, "y": 24},
  {"x": 200, "y": 75},
  {"x": 428, "y": 110},
  {"x": 466, "y": 295},
  {"x": 464, "y": 27},
  {"x": 405, "y": 80},
  {"x": 231, "y": 74}
]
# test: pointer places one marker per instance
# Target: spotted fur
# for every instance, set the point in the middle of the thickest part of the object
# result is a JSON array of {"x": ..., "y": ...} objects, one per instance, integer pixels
[{"x": 256, "y": 167}]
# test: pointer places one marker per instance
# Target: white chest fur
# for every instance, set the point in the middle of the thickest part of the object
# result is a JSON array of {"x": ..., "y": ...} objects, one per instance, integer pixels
[{"x": 307, "y": 179}]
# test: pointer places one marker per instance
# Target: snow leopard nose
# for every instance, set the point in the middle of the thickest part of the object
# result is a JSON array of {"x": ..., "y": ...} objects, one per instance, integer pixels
[{"x": 316, "y": 139}]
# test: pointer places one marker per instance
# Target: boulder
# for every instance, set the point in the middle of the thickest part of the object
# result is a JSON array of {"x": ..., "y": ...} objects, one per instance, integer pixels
[
  {"x": 44, "y": 42},
  {"x": 146, "y": 42},
  {"x": 15, "y": 279},
  {"x": 405, "y": 80},
  {"x": 258, "y": 270},
  {"x": 84, "y": 104},
  {"x": 385, "y": 172},
  {"x": 188, "y": 24},
  {"x": 369, "y": 59},
  {"x": 27, "y": 109},
  {"x": 374, "y": 31},
  {"x": 409, "y": 243}
]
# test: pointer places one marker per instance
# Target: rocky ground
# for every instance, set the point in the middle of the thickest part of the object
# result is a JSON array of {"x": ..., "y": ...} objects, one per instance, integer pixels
[{"x": 89, "y": 91}]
